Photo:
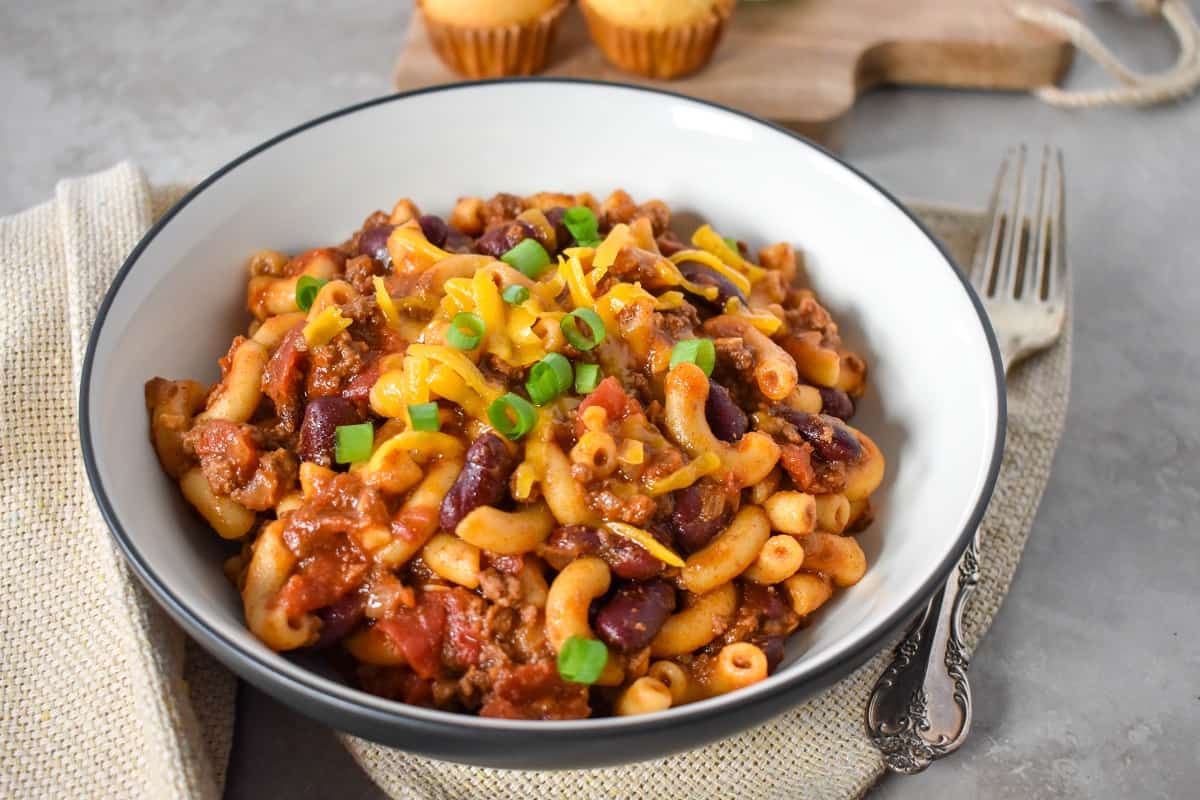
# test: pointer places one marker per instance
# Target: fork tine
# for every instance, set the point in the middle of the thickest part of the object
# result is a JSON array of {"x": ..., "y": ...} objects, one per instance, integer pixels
[
  {"x": 1008, "y": 265},
  {"x": 1054, "y": 288},
  {"x": 983, "y": 272},
  {"x": 1041, "y": 235}
]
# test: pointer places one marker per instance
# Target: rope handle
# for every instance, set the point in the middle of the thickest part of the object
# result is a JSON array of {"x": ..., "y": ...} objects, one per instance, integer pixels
[{"x": 1137, "y": 89}]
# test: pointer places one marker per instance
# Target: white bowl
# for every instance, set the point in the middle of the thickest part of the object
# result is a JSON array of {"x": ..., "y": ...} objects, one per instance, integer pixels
[{"x": 935, "y": 404}]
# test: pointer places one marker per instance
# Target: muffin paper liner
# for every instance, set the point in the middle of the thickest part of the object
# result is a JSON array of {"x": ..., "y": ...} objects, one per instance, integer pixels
[
  {"x": 497, "y": 51},
  {"x": 659, "y": 52}
]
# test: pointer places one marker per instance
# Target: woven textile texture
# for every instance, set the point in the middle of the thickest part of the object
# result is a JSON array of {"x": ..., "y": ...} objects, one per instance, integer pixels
[{"x": 101, "y": 696}]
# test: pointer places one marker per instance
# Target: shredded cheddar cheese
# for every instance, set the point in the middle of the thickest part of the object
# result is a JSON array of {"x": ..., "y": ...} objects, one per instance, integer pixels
[
  {"x": 620, "y": 297},
  {"x": 764, "y": 321},
  {"x": 491, "y": 309},
  {"x": 685, "y": 476},
  {"x": 668, "y": 270},
  {"x": 717, "y": 265},
  {"x": 632, "y": 452},
  {"x": 386, "y": 306},
  {"x": 445, "y": 382},
  {"x": 532, "y": 471},
  {"x": 606, "y": 254},
  {"x": 647, "y": 541},
  {"x": 710, "y": 241},
  {"x": 524, "y": 479},
  {"x": 328, "y": 324},
  {"x": 407, "y": 243},
  {"x": 458, "y": 362},
  {"x": 571, "y": 271},
  {"x": 643, "y": 234},
  {"x": 668, "y": 300},
  {"x": 459, "y": 297},
  {"x": 416, "y": 380}
]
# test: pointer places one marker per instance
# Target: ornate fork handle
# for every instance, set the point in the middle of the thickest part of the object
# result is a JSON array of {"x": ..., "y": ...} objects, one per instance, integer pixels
[{"x": 920, "y": 710}]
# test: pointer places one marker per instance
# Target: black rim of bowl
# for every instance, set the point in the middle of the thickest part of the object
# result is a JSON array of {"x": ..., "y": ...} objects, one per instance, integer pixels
[{"x": 349, "y": 699}]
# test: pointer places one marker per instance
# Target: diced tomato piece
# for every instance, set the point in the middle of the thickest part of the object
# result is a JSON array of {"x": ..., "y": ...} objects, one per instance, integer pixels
[
  {"x": 418, "y": 633},
  {"x": 797, "y": 462},
  {"x": 324, "y": 577},
  {"x": 283, "y": 379},
  {"x": 358, "y": 389},
  {"x": 610, "y": 396},
  {"x": 464, "y": 634},
  {"x": 396, "y": 683},
  {"x": 228, "y": 452},
  {"x": 535, "y": 691}
]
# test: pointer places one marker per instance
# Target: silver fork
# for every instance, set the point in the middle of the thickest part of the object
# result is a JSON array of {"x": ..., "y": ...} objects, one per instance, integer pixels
[{"x": 920, "y": 709}]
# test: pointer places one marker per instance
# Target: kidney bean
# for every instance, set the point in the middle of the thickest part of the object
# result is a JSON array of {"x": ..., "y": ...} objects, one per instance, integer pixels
[
  {"x": 634, "y": 613},
  {"x": 700, "y": 514},
  {"x": 625, "y": 558},
  {"x": 322, "y": 416},
  {"x": 727, "y": 421},
  {"x": 669, "y": 244},
  {"x": 339, "y": 618},
  {"x": 568, "y": 543},
  {"x": 483, "y": 480},
  {"x": 499, "y": 239},
  {"x": 774, "y": 615},
  {"x": 772, "y": 647},
  {"x": 831, "y": 440},
  {"x": 562, "y": 235},
  {"x": 706, "y": 276},
  {"x": 373, "y": 243},
  {"x": 836, "y": 403},
  {"x": 434, "y": 228},
  {"x": 458, "y": 242}
]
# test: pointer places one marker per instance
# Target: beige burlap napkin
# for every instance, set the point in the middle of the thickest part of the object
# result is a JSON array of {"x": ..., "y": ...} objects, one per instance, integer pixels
[{"x": 101, "y": 696}]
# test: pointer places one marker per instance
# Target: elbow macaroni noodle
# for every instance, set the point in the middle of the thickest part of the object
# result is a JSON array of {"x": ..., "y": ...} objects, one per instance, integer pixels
[{"x": 635, "y": 540}]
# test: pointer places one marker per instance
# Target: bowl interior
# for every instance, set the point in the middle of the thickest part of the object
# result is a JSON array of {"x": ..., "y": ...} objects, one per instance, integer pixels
[{"x": 933, "y": 403}]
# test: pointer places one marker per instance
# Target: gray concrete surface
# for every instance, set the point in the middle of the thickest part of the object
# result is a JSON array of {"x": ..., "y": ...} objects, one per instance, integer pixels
[{"x": 1088, "y": 685}]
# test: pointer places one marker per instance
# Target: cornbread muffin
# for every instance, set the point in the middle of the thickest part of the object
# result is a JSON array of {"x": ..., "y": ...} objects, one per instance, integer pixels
[
  {"x": 482, "y": 39},
  {"x": 657, "y": 38}
]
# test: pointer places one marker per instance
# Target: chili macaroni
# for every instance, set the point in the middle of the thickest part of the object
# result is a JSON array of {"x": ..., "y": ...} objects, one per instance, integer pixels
[{"x": 544, "y": 461}]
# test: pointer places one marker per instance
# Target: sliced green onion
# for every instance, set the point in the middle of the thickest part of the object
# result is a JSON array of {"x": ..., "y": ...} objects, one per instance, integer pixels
[
  {"x": 466, "y": 331},
  {"x": 515, "y": 295},
  {"x": 582, "y": 660},
  {"x": 529, "y": 257},
  {"x": 583, "y": 225},
  {"x": 587, "y": 378},
  {"x": 549, "y": 378},
  {"x": 590, "y": 320},
  {"x": 306, "y": 290},
  {"x": 512, "y": 416},
  {"x": 353, "y": 442},
  {"x": 732, "y": 242},
  {"x": 424, "y": 416},
  {"x": 695, "y": 351}
]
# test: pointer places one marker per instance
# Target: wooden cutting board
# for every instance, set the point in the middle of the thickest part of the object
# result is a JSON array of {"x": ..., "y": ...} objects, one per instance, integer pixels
[{"x": 804, "y": 62}]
